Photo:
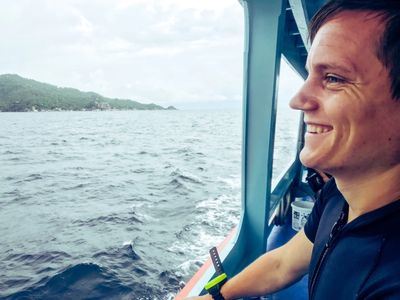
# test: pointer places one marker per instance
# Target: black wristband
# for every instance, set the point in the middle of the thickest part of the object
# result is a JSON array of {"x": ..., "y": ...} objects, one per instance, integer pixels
[{"x": 217, "y": 296}]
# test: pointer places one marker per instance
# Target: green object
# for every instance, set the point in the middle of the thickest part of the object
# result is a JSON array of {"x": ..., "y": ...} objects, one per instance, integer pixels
[{"x": 220, "y": 280}]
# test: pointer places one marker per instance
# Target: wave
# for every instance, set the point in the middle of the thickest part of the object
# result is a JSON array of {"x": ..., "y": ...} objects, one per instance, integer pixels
[
  {"x": 75, "y": 187},
  {"x": 180, "y": 178},
  {"x": 143, "y": 170},
  {"x": 16, "y": 195},
  {"x": 143, "y": 279},
  {"x": 8, "y": 152},
  {"x": 15, "y": 159},
  {"x": 44, "y": 257},
  {"x": 33, "y": 177},
  {"x": 126, "y": 252},
  {"x": 85, "y": 279},
  {"x": 109, "y": 219},
  {"x": 152, "y": 154}
]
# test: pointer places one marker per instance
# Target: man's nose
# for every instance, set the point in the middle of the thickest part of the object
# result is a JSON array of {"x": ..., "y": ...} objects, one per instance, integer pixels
[{"x": 305, "y": 99}]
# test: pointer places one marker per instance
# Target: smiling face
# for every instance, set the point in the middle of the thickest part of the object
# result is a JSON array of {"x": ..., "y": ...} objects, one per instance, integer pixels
[{"x": 353, "y": 124}]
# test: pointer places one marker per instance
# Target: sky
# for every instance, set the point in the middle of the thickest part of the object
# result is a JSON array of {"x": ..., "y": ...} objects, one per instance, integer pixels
[{"x": 186, "y": 53}]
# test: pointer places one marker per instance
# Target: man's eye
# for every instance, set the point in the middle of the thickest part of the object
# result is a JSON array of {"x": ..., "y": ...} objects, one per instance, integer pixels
[{"x": 333, "y": 79}]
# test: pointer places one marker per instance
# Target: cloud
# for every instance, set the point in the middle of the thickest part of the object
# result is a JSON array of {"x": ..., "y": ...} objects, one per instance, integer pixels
[
  {"x": 211, "y": 5},
  {"x": 85, "y": 27},
  {"x": 169, "y": 51}
]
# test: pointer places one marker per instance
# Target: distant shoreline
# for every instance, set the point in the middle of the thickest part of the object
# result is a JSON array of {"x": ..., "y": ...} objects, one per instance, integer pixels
[
  {"x": 94, "y": 110},
  {"x": 86, "y": 110},
  {"x": 18, "y": 94}
]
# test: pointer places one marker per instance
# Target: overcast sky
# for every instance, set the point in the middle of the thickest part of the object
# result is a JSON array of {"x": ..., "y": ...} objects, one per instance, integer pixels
[{"x": 187, "y": 53}]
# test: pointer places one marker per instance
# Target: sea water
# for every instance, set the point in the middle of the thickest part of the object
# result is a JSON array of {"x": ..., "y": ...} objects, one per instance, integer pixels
[{"x": 114, "y": 204}]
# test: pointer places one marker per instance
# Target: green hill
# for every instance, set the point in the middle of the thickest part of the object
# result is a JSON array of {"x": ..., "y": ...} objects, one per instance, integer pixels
[{"x": 21, "y": 94}]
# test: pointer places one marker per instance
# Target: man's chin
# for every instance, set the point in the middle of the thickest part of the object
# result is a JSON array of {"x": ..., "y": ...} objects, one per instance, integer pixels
[
  {"x": 310, "y": 161},
  {"x": 317, "y": 163}
]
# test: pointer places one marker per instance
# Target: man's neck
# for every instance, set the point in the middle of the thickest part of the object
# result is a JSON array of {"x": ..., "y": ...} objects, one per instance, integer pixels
[{"x": 371, "y": 191}]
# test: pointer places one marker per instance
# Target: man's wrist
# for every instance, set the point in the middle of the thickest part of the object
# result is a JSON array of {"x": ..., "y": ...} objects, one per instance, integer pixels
[{"x": 214, "y": 287}]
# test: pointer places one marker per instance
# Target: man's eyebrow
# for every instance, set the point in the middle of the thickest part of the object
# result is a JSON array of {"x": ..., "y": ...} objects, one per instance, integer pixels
[{"x": 348, "y": 68}]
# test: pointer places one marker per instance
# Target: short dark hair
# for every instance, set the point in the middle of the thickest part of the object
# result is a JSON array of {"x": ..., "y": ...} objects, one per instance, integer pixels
[{"x": 388, "y": 45}]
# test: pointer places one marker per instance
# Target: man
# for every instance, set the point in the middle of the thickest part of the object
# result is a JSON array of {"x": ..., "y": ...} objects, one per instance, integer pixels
[{"x": 351, "y": 102}]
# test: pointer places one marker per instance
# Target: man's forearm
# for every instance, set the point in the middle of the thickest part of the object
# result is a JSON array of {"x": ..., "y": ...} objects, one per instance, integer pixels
[
  {"x": 263, "y": 276},
  {"x": 271, "y": 271}
]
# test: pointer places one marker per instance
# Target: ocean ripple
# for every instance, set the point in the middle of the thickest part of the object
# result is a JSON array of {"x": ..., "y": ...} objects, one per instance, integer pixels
[
  {"x": 78, "y": 184},
  {"x": 73, "y": 282},
  {"x": 44, "y": 257}
]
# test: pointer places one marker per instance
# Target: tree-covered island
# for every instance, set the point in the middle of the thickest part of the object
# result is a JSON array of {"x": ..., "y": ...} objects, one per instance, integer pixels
[{"x": 18, "y": 94}]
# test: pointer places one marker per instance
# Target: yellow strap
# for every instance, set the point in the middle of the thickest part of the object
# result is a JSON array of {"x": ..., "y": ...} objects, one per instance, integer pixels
[{"x": 215, "y": 281}]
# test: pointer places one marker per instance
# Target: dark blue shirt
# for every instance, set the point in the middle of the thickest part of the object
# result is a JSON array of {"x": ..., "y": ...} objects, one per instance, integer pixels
[{"x": 358, "y": 260}]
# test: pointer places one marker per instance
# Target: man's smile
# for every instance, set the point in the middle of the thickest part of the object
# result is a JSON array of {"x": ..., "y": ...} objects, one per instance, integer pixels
[{"x": 317, "y": 128}]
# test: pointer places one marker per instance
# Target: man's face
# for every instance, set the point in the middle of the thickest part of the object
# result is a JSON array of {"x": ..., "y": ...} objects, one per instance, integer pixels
[{"x": 353, "y": 124}]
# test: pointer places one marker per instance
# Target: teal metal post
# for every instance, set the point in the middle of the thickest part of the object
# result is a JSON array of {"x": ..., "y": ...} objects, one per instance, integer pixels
[{"x": 265, "y": 21}]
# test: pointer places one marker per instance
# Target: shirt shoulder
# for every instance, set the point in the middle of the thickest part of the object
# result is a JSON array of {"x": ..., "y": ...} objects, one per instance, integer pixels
[{"x": 384, "y": 280}]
